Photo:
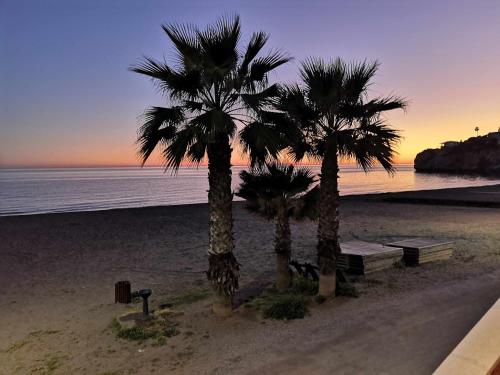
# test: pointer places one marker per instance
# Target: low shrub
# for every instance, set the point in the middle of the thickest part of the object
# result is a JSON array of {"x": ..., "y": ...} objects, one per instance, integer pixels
[
  {"x": 304, "y": 286},
  {"x": 156, "y": 328},
  {"x": 286, "y": 307},
  {"x": 135, "y": 333}
]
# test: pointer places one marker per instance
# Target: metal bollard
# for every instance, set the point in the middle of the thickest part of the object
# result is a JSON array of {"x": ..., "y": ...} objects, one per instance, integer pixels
[{"x": 144, "y": 294}]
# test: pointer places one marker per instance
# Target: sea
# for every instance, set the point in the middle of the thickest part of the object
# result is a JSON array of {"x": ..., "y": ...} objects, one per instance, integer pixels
[{"x": 49, "y": 190}]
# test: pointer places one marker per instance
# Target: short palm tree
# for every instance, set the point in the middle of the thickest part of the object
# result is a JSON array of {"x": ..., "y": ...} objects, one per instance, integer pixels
[
  {"x": 276, "y": 192},
  {"x": 212, "y": 86},
  {"x": 329, "y": 117}
]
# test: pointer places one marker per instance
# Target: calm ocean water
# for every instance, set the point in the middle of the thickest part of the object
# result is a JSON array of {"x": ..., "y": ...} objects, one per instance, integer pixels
[{"x": 32, "y": 191}]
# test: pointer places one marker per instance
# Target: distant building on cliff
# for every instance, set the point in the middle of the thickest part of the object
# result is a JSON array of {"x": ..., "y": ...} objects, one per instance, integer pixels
[{"x": 449, "y": 144}]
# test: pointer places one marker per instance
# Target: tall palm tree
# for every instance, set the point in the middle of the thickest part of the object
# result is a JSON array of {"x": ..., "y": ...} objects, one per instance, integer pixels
[
  {"x": 212, "y": 85},
  {"x": 276, "y": 192},
  {"x": 329, "y": 117}
]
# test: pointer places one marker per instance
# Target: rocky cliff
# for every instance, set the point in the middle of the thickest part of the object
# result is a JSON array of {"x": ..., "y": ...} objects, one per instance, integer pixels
[{"x": 478, "y": 155}]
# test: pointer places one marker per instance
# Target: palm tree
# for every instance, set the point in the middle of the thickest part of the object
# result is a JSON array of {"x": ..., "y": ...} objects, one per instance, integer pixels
[
  {"x": 212, "y": 86},
  {"x": 329, "y": 117},
  {"x": 277, "y": 191}
]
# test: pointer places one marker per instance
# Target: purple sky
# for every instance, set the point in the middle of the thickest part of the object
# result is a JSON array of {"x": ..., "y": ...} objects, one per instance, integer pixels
[{"x": 66, "y": 97}]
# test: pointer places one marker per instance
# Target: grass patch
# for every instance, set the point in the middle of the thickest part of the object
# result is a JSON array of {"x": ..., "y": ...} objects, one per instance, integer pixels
[
  {"x": 282, "y": 306},
  {"x": 287, "y": 307},
  {"x": 263, "y": 300},
  {"x": 49, "y": 364},
  {"x": 31, "y": 336},
  {"x": 135, "y": 333},
  {"x": 304, "y": 286},
  {"x": 53, "y": 363},
  {"x": 158, "y": 329},
  {"x": 189, "y": 297},
  {"x": 17, "y": 345}
]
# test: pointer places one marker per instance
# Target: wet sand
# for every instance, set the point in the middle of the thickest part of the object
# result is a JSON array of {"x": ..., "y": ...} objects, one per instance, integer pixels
[{"x": 57, "y": 273}]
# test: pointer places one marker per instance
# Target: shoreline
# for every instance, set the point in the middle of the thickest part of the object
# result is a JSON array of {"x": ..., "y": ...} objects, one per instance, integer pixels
[
  {"x": 486, "y": 196},
  {"x": 429, "y": 196}
]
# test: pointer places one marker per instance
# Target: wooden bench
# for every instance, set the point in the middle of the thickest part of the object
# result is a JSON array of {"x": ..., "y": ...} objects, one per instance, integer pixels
[
  {"x": 362, "y": 257},
  {"x": 423, "y": 250}
]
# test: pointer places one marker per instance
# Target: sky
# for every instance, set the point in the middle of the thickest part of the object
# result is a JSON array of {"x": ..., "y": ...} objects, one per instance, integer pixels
[{"x": 68, "y": 99}]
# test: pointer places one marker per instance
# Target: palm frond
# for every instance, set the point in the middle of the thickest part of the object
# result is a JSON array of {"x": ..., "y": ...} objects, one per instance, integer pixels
[
  {"x": 374, "y": 107},
  {"x": 358, "y": 77},
  {"x": 214, "y": 122},
  {"x": 159, "y": 126},
  {"x": 373, "y": 141},
  {"x": 153, "y": 69},
  {"x": 219, "y": 43},
  {"x": 257, "y": 42},
  {"x": 185, "y": 40},
  {"x": 187, "y": 143},
  {"x": 306, "y": 207},
  {"x": 273, "y": 187},
  {"x": 259, "y": 100},
  {"x": 177, "y": 84},
  {"x": 261, "y": 66},
  {"x": 260, "y": 141},
  {"x": 324, "y": 82}
]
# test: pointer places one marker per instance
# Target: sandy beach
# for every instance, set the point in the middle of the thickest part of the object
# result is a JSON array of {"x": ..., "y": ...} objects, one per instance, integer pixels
[{"x": 57, "y": 273}]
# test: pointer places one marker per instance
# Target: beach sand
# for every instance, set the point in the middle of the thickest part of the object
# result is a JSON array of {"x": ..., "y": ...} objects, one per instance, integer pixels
[{"x": 57, "y": 275}]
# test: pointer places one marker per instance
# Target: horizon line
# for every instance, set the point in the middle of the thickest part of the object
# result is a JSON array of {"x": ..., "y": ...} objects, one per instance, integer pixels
[{"x": 88, "y": 166}]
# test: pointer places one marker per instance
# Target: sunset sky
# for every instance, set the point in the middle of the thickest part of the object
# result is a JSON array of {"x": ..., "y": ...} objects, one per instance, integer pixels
[{"x": 67, "y": 98}]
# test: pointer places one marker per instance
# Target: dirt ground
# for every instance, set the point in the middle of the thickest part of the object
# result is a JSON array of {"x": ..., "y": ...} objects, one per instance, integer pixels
[{"x": 58, "y": 271}]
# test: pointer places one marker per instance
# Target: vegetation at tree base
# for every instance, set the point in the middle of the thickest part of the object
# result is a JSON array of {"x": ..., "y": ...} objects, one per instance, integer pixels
[
  {"x": 293, "y": 303},
  {"x": 290, "y": 304},
  {"x": 287, "y": 307},
  {"x": 277, "y": 192},
  {"x": 212, "y": 85},
  {"x": 306, "y": 287},
  {"x": 157, "y": 328}
]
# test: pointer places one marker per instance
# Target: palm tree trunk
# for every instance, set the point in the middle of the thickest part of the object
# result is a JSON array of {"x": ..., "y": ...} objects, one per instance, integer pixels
[
  {"x": 328, "y": 226},
  {"x": 223, "y": 270},
  {"x": 283, "y": 248}
]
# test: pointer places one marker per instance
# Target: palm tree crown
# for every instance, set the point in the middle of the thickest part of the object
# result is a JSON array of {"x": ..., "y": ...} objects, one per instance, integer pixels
[
  {"x": 332, "y": 105},
  {"x": 212, "y": 86},
  {"x": 276, "y": 187}
]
